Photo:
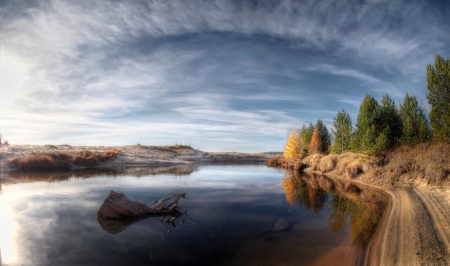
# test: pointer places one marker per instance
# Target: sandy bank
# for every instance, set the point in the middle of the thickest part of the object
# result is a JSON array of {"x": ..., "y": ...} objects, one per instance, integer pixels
[
  {"x": 415, "y": 229},
  {"x": 133, "y": 155}
]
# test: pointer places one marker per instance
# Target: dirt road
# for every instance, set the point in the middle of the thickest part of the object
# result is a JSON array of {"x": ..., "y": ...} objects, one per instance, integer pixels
[{"x": 415, "y": 229}]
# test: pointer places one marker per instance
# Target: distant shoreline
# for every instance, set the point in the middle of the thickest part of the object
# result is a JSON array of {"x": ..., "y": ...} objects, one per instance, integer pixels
[{"x": 128, "y": 156}]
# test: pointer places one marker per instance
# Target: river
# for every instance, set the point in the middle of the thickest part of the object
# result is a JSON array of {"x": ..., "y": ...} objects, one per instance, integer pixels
[{"x": 236, "y": 215}]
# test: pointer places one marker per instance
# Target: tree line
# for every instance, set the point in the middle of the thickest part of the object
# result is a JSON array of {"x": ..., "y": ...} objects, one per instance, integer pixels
[{"x": 381, "y": 126}]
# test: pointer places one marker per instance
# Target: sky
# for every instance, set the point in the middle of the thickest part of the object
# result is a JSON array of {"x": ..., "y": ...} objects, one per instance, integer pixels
[{"x": 219, "y": 75}]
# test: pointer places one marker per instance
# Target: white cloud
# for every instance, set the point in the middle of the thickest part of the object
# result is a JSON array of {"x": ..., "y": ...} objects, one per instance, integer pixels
[{"x": 91, "y": 65}]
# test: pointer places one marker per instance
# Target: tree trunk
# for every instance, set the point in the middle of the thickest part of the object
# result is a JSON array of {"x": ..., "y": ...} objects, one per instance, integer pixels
[{"x": 117, "y": 206}]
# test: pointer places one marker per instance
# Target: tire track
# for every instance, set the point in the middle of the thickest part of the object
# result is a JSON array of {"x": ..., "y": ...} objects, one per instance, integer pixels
[
  {"x": 408, "y": 234},
  {"x": 438, "y": 206}
]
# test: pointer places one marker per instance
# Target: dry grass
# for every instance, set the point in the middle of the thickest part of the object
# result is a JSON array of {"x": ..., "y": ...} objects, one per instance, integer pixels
[
  {"x": 346, "y": 159},
  {"x": 173, "y": 148},
  {"x": 348, "y": 163},
  {"x": 327, "y": 163},
  {"x": 332, "y": 162},
  {"x": 90, "y": 159},
  {"x": 49, "y": 161},
  {"x": 431, "y": 162},
  {"x": 353, "y": 169},
  {"x": 313, "y": 161},
  {"x": 404, "y": 165},
  {"x": 61, "y": 161}
]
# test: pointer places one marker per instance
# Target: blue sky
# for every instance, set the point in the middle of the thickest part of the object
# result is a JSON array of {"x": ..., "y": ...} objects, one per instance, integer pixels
[{"x": 218, "y": 75}]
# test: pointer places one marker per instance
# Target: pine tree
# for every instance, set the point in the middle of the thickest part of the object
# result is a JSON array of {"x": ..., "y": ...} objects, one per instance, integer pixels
[
  {"x": 378, "y": 127},
  {"x": 325, "y": 137},
  {"x": 320, "y": 139},
  {"x": 306, "y": 133},
  {"x": 414, "y": 122},
  {"x": 391, "y": 124},
  {"x": 292, "y": 148},
  {"x": 367, "y": 126},
  {"x": 438, "y": 85},
  {"x": 342, "y": 131}
]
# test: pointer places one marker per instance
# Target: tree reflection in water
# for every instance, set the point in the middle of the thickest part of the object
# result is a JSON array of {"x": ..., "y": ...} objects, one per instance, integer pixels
[
  {"x": 361, "y": 208},
  {"x": 310, "y": 196}
]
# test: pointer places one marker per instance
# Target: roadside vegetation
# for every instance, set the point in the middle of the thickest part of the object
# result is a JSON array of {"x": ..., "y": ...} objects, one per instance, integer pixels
[{"x": 388, "y": 140}]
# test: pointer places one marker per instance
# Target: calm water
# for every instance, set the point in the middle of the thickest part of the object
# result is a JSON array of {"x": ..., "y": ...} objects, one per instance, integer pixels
[{"x": 50, "y": 218}]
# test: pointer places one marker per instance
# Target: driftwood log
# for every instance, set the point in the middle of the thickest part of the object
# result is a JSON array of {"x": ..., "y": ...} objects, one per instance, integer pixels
[{"x": 117, "y": 206}]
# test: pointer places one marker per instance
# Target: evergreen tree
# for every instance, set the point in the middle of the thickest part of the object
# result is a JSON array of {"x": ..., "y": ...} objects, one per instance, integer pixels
[
  {"x": 367, "y": 127},
  {"x": 415, "y": 124},
  {"x": 342, "y": 131},
  {"x": 306, "y": 133},
  {"x": 391, "y": 124},
  {"x": 378, "y": 127},
  {"x": 292, "y": 148},
  {"x": 320, "y": 139},
  {"x": 438, "y": 85}
]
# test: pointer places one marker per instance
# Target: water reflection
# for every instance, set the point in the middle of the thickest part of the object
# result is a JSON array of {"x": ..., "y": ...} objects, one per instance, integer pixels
[
  {"x": 52, "y": 217},
  {"x": 304, "y": 192},
  {"x": 361, "y": 208},
  {"x": 55, "y": 176}
]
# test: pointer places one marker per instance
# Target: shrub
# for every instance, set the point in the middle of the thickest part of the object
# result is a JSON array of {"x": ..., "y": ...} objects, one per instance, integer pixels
[
  {"x": 57, "y": 161},
  {"x": 353, "y": 169},
  {"x": 436, "y": 175},
  {"x": 327, "y": 163},
  {"x": 89, "y": 159},
  {"x": 60, "y": 161}
]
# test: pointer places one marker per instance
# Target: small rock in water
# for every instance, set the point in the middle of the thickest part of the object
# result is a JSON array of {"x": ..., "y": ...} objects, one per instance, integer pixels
[
  {"x": 168, "y": 231},
  {"x": 281, "y": 224}
]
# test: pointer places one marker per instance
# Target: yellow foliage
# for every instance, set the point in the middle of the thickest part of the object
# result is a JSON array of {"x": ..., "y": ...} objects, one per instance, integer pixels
[
  {"x": 289, "y": 188},
  {"x": 292, "y": 149}
]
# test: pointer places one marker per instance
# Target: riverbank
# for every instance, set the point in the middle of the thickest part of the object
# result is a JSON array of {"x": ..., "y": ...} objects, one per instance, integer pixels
[
  {"x": 122, "y": 156},
  {"x": 415, "y": 227},
  {"x": 423, "y": 164}
]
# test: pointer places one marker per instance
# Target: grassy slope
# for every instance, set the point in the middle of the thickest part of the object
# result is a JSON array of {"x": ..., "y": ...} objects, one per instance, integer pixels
[{"x": 423, "y": 164}]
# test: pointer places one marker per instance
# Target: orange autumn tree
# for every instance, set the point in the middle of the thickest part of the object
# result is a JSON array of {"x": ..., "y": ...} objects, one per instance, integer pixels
[
  {"x": 315, "y": 140},
  {"x": 292, "y": 148},
  {"x": 320, "y": 140}
]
